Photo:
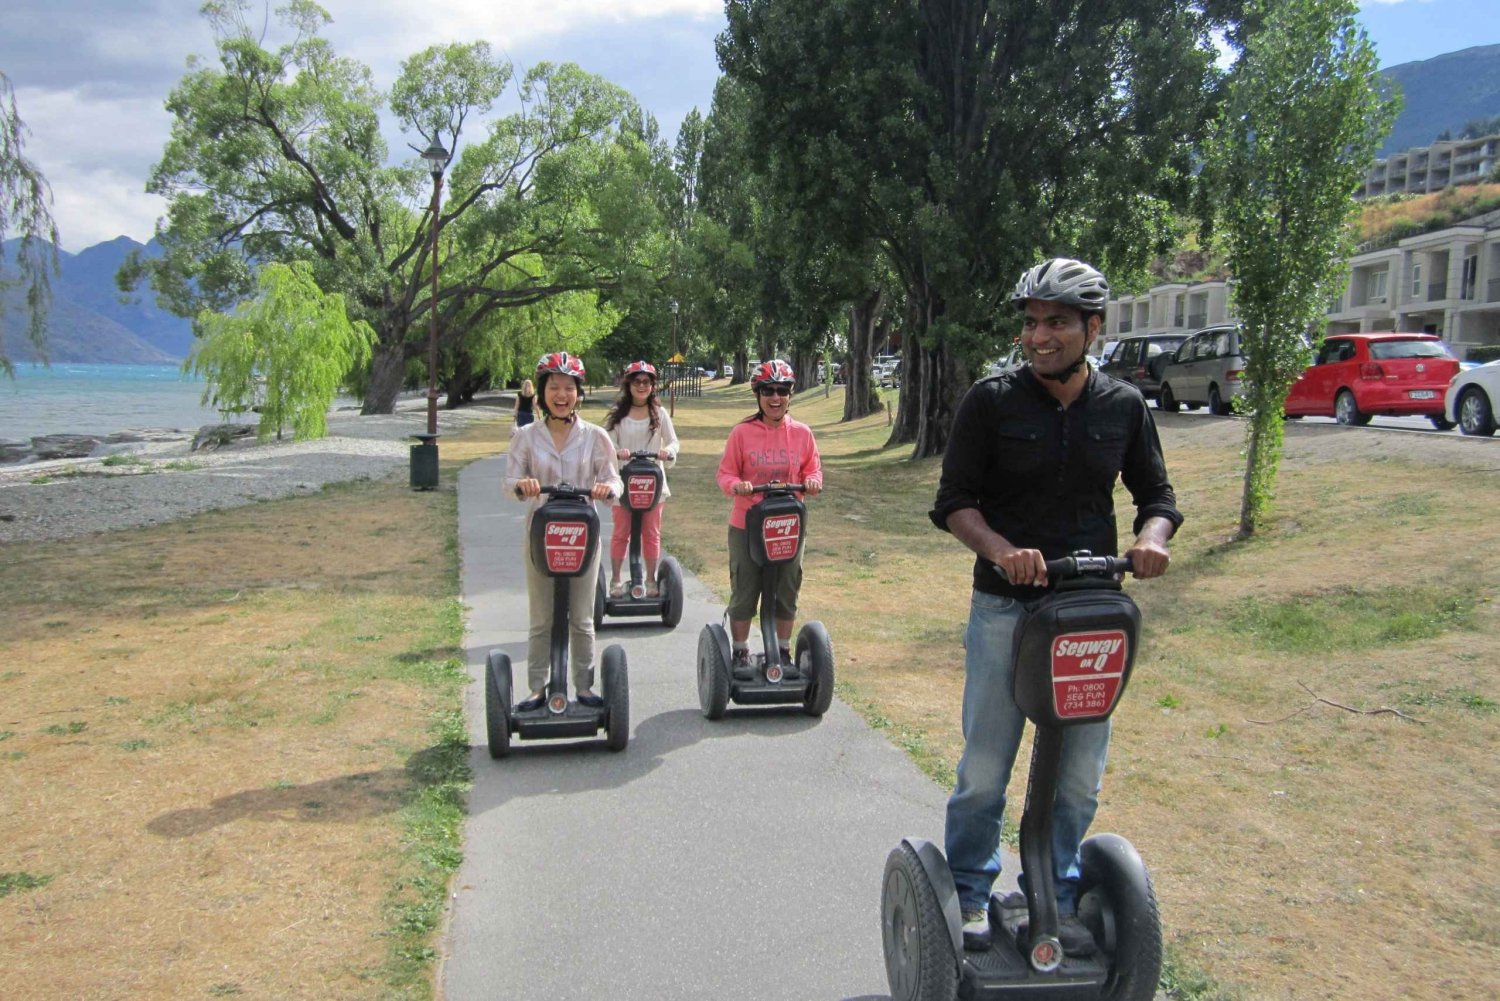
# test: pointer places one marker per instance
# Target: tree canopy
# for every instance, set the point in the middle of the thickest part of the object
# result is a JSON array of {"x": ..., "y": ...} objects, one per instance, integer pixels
[
  {"x": 969, "y": 138},
  {"x": 277, "y": 155}
]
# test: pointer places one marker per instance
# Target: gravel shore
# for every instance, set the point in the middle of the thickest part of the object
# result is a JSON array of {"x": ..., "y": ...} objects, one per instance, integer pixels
[{"x": 161, "y": 481}]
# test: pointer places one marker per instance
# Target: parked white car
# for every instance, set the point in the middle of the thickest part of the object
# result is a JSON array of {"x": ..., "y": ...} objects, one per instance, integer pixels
[{"x": 1470, "y": 400}]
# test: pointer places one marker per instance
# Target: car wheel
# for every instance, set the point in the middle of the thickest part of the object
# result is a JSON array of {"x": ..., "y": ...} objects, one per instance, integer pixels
[
  {"x": 1346, "y": 410},
  {"x": 1167, "y": 401},
  {"x": 1216, "y": 405},
  {"x": 1475, "y": 415}
]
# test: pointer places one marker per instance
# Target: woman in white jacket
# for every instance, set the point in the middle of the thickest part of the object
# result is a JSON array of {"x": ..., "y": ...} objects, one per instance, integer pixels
[
  {"x": 637, "y": 423},
  {"x": 560, "y": 448}
]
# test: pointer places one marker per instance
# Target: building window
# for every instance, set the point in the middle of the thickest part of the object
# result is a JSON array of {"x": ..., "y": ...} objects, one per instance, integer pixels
[
  {"x": 1377, "y": 286},
  {"x": 1416, "y": 280},
  {"x": 1471, "y": 272}
]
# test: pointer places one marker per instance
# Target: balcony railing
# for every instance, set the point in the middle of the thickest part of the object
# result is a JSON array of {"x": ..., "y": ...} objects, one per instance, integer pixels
[
  {"x": 1196, "y": 320},
  {"x": 1437, "y": 291},
  {"x": 1125, "y": 326},
  {"x": 1493, "y": 290}
]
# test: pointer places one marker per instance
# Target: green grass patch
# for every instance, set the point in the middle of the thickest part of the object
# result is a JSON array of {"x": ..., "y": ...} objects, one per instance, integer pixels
[
  {"x": 123, "y": 459},
  {"x": 13, "y": 882},
  {"x": 67, "y": 729},
  {"x": 1351, "y": 619},
  {"x": 135, "y": 744}
]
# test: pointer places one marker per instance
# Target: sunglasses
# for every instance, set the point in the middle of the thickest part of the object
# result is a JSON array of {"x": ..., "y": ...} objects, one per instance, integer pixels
[
  {"x": 775, "y": 391},
  {"x": 643, "y": 380}
]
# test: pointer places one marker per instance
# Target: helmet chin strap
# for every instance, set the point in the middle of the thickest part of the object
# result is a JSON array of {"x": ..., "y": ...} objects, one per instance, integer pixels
[{"x": 1066, "y": 373}]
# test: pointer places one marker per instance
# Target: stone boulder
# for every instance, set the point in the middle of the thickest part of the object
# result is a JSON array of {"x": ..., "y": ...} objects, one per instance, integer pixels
[
  {"x": 64, "y": 446},
  {"x": 14, "y": 451},
  {"x": 138, "y": 435},
  {"x": 212, "y": 436}
]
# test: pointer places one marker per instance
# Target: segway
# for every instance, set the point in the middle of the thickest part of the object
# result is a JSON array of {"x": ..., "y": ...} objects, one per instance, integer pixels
[
  {"x": 643, "y": 483},
  {"x": 775, "y": 528},
  {"x": 1074, "y": 653},
  {"x": 564, "y": 537}
]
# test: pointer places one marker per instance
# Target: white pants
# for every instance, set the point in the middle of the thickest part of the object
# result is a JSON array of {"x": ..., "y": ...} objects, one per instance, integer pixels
[{"x": 539, "y": 591}]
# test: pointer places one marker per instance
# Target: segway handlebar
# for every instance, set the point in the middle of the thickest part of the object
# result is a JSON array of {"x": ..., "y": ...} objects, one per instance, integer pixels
[
  {"x": 777, "y": 487},
  {"x": 565, "y": 491},
  {"x": 1079, "y": 566}
]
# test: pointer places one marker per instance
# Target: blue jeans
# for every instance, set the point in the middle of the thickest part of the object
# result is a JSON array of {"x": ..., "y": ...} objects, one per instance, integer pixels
[{"x": 992, "y": 735}]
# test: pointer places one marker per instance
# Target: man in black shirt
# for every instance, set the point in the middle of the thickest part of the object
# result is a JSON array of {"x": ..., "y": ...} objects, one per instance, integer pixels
[{"x": 1029, "y": 476}]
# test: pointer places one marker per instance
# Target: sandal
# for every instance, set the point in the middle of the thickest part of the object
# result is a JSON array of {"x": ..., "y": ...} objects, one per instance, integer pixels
[
  {"x": 652, "y": 590},
  {"x": 617, "y": 590}
]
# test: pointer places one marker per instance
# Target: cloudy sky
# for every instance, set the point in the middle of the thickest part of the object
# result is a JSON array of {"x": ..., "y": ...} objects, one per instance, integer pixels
[{"x": 91, "y": 75}]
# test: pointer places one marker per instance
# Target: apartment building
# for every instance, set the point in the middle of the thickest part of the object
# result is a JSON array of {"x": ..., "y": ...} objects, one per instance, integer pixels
[
  {"x": 1424, "y": 169},
  {"x": 1445, "y": 283}
]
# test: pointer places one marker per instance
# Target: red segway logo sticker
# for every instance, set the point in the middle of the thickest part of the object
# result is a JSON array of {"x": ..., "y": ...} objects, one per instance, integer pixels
[
  {"x": 781, "y": 533},
  {"x": 566, "y": 543},
  {"x": 641, "y": 492},
  {"x": 1086, "y": 673}
]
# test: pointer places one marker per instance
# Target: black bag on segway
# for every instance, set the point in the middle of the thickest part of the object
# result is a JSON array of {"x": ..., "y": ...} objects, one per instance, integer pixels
[
  {"x": 1074, "y": 652},
  {"x": 564, "y": 535},
  {"x": 643, "y": 481},
  {"x": 774, "y": 528}
]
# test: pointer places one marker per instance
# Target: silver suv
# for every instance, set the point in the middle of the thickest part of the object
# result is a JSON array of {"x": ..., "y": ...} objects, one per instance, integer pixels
[{"x": 1206, "y": 370}]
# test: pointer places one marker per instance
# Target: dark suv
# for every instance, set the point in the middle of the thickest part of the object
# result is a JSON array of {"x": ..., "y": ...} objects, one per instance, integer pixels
[{"x": 1135, "y": 360}]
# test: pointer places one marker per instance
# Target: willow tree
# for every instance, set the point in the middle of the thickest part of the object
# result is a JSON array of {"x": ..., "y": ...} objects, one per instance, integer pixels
[
  {"x": 286, "y": 352},
  {"x": 24, "y": 200},
  {"x": 1303, "y": 117}
]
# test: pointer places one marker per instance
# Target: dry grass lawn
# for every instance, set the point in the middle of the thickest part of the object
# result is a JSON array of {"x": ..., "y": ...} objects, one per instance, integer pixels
[
  {"x": 218, "y": 746},
  {"x": 1316, "y": 854}
]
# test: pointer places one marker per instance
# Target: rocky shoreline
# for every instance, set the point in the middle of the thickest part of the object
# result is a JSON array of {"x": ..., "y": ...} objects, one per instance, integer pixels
[{"x": 147, "y": 476}]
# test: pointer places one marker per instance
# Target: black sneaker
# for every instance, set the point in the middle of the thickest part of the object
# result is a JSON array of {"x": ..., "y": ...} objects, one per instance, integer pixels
[
  {"x": 1074, "y": 936},
  {"x": 739, "y": 666},
  {"x": 978, "y": 935}
]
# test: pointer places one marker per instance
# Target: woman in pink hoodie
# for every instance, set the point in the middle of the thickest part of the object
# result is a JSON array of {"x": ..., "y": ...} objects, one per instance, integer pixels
[{"x": 768, "y": 446}]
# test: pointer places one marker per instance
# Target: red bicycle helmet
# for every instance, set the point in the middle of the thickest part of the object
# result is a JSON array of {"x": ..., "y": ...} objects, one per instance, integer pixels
[
  {"x": 640, "y": 367},
  {"x": 772, "y": 373},
  {"x": 560, "y": 363}
]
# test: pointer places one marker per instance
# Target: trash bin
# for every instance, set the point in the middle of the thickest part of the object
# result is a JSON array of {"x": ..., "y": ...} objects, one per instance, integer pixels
[{"x": 424, "y": 462}]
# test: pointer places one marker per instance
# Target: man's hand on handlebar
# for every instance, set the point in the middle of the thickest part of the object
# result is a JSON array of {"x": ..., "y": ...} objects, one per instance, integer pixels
[
  {"x": 1148, "y": 558},
  {"x": 1022, "y": 566}
]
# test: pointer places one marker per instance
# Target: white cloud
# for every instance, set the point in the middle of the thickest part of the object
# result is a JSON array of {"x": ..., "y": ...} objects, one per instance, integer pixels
[{"x": 94, "y": 204}]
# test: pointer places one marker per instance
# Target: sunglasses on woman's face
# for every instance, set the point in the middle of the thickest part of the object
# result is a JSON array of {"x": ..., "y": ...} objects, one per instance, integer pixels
[
  {"x": 775, "y": 391},
  {"x": 640, "y": 381}
]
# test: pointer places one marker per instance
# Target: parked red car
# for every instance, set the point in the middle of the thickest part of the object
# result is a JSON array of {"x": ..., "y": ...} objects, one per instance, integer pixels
[{"x": 1359, "y": 376}]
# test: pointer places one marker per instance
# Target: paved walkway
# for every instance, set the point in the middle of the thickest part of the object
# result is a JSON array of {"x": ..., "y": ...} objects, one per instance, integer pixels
[{"x": 731, "y": 860}]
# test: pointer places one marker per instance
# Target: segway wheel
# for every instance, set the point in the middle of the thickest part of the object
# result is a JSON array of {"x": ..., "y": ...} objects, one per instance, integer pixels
[
  {"x": 713, "y": 673},
  {"x": 814, "y": 656},
  {"x": 601, "y": 595},
  {"x": 616, "y": 678},
  {"x": 919, "y": 960},
  {"x": 497, "y": 703},
  {"x": 1118, "y": 905},
  {"x": 669, "y": 585}
]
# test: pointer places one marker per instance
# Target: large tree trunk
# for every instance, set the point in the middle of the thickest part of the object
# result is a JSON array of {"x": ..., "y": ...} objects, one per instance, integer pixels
[
  {"x": 860, "y": 398},
  {"x": 387, "y": 372},
  {"x": 913, "y": 366},
  {"x": 741, "y": 367}
]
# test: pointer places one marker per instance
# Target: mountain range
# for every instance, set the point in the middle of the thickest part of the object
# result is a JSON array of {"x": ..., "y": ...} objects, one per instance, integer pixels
[
  {"x": 91, "y": 320},
  {"x": 1443, "y": 94}
]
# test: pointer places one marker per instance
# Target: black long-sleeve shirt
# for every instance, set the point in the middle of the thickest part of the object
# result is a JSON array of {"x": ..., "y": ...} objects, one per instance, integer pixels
[{"x": 1044, "y": 476}]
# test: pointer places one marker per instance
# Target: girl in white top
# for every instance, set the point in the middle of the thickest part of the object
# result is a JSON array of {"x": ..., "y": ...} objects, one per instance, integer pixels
[
  {"x": 560, "y": 448},
  {"x": 637, "y": 423}
]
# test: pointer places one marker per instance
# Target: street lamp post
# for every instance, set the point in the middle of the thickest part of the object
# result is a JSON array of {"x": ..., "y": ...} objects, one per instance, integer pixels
[
  {"x": 424, "y": 456},
  {"x": 672, "y": 381}
]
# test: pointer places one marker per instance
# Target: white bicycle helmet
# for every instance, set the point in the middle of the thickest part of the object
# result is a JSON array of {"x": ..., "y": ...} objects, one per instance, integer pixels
[{"x": 1063, "y": 280}]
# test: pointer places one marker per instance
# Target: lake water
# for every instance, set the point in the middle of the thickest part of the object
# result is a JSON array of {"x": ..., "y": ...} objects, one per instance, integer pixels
[{"x": 100, "y": 399}]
